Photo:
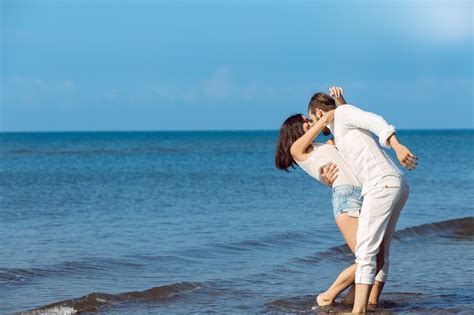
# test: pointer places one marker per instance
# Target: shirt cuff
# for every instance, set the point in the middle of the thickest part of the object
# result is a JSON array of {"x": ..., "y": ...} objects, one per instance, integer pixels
[{"x": 384, "y": 135}]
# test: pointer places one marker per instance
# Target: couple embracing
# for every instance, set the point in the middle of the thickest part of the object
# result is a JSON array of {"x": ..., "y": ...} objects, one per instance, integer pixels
[{"x": 368, "y": 190}]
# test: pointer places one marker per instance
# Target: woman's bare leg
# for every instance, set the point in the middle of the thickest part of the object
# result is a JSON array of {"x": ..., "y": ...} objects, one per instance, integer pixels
[
  {"x": 376, "y": 289},
  {"x": 348, "y": 227}
]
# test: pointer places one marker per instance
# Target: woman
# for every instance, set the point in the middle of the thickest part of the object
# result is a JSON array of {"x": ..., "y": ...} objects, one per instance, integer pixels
[{"x": 295, "y": 147}]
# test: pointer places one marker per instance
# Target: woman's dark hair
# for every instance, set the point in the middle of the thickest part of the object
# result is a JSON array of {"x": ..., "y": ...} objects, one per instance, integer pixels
[
  {"x": 321, "y": 101},
  {"x": 290, "y": 131}
]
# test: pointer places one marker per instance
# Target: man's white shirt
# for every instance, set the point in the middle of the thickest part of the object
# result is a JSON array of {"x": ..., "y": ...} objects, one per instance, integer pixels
[{"x": 352, "y": 129}]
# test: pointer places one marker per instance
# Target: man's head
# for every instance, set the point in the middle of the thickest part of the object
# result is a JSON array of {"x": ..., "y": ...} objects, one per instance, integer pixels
[{"x": 319, "y": 104}]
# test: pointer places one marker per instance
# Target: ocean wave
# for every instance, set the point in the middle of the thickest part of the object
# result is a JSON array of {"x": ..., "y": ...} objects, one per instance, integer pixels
[
  {"x": 462, "y": 228},
  {"x": 93, "y": 301},
  {"x": 215, "y": 249},
  {"x": 269, "y": 241},
  {"x": 456, "y": 228},
  {"x": 20, "y": 275}
]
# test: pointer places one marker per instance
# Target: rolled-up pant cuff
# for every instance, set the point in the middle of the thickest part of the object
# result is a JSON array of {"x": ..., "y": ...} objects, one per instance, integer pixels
[
  {"x": 383, "y": 273},
  {"x": 364, "y": 279},
  {"x": 370, "y": 279}
]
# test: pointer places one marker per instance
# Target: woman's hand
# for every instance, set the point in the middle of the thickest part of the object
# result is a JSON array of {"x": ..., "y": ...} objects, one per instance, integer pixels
[
  {"x": 327, "y": 117},
  {"x": 329, "y": 173}
]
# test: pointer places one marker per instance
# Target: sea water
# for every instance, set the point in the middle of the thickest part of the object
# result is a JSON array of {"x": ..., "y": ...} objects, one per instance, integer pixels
[{"x": 179, "y": 222}]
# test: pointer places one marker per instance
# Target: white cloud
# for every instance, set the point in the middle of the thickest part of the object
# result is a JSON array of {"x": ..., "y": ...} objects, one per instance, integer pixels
[
  {"x": 31, "y": 91},
  {"x": 66, "y": 84},
  {"x": 222, "y": 86},
  {"x": 437, "y": 20},
  {"x": 111, "y": 94},
  {"x": 40, "y": 83},
  {"x": 219, "y": 85}
]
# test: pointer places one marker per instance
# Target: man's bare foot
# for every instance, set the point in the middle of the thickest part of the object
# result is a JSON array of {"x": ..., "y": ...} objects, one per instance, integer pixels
[
  {"x": 349, "y": 298},
  {"x": 374, "y": 302},
  {"x": 322, "y": 300},
  {"x": 372, "y": 307}
]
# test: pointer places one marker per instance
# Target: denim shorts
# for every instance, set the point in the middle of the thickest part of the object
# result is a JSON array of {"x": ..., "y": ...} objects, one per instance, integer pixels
[{"x": 347, "y": 199}]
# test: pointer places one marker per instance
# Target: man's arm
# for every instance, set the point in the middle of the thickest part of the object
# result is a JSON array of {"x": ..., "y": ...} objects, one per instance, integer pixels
[
  {"x": 358, "y": 118},
  {"x": 406, "y": 158},
  {"x": 336, "y": 92},
  {"x": 329, "y": 173}
]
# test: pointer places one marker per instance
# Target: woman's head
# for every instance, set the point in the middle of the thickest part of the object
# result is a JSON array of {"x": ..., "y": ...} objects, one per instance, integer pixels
[{"x": 292, "y": 129}]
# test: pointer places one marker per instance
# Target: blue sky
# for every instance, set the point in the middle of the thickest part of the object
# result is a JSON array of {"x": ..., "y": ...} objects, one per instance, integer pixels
[{"x": 206, "y": 65}]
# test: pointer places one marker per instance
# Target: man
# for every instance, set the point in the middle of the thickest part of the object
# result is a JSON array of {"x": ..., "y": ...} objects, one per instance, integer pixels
[{"x": 383, "y": 185}]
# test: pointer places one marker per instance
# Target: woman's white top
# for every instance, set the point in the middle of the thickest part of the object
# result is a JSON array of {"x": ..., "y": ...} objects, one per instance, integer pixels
[{"x": 322, "y": 155}]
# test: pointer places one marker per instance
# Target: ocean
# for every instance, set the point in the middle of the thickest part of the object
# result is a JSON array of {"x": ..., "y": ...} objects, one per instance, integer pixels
[{"x": 203, "y": 222}]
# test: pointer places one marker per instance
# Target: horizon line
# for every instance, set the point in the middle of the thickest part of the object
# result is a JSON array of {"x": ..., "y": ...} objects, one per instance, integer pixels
[{"x": 206, "y": 130}]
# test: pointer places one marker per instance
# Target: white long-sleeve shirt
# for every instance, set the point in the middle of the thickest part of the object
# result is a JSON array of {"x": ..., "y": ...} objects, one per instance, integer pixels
[{"x": 352, "y": 129}]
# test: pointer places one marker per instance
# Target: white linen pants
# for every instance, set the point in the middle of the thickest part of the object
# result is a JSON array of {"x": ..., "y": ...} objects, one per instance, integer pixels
[{"x": 377, "y": 221}]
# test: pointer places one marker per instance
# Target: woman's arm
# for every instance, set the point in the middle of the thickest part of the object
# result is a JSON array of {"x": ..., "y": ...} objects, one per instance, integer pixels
[{"x": 298, "y": 148}]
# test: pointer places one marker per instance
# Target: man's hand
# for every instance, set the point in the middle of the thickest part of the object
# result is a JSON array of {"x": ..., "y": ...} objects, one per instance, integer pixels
[
  {"x": 329, "y": 173},
  {"x": 336, "y": 91},
  {"x": 406, "y": 158}
]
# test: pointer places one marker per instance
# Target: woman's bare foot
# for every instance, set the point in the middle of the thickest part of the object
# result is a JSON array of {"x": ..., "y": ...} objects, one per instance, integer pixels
[{"x": 322, "y": 300}]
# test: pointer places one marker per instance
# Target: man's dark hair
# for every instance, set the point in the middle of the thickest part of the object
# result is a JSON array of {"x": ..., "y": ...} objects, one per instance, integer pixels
[{"x": 321, "y": 101}]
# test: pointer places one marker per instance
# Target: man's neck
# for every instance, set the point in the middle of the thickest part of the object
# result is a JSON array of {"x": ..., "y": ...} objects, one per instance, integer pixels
[{"x": 331, "y": 127}]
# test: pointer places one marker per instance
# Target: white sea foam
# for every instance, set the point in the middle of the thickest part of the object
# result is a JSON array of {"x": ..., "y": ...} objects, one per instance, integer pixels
[{"x": 58, "y": 310}]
